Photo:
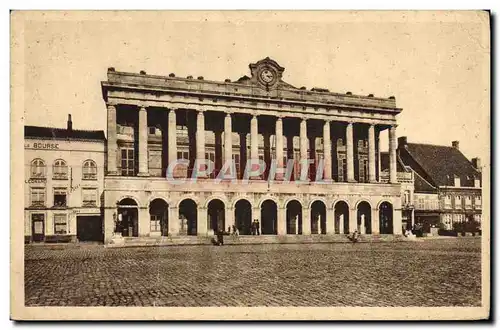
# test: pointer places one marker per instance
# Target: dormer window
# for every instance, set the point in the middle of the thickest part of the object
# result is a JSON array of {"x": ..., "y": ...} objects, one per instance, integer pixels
[
  {"x": 457, "y": 181},
  {"x": 477, "y": 183}
]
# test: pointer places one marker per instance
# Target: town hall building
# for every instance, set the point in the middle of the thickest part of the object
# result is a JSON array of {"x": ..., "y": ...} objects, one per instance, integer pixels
[{"x": 153, "y": 121}]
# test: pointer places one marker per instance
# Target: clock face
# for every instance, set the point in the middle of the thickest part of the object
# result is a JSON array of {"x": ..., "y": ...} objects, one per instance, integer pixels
[{"x": 267, "y": 75}]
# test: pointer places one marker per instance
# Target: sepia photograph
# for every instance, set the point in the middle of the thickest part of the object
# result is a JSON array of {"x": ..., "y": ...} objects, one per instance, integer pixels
[{"x": 250, "y": 165}]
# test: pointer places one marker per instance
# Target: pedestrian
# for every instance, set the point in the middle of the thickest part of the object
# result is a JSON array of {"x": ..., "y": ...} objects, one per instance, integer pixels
[
  {"x": 252, "y": 229},
  {"x": 257, "y": 226},
  {"x": 229, "y": 230},
  {"x": 220, "y": 237}
]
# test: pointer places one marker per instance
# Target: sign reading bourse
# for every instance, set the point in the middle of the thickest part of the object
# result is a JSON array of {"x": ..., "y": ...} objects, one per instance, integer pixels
[{"x": 42, "y": 145}]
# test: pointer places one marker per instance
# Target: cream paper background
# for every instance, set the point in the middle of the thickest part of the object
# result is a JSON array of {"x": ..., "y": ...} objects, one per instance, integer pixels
[{"x": 469, "y": 116}]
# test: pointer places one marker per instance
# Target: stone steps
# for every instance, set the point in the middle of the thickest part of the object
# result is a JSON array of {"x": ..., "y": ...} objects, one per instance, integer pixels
[{"x": 258, "y": 239}]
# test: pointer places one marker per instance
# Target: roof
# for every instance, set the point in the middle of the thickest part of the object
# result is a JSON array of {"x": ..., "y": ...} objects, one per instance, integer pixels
[
  {"x": 443, "y": 163},
  {"x": 384, "y": 163},
  {"x": 62, "y": 133}
]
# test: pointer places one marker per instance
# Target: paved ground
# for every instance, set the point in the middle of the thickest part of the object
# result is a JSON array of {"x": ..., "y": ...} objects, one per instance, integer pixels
[{"x": 442, "y": 272}]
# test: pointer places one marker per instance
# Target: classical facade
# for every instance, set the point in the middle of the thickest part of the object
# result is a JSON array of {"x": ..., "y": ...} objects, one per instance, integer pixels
[
  {"x": 64, "y": 181},
  {"x": 154, "y": 121},
  {"x": 447, "y": 184}
]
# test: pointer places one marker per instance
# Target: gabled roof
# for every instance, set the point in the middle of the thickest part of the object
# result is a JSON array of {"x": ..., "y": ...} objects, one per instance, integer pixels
[
  {"x": 443, "y": 163},
  {"x": 62, "y": 133}
]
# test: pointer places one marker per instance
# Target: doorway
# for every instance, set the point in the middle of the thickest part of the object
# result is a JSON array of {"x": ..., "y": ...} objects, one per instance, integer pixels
[{"x": 38, "y": 227}]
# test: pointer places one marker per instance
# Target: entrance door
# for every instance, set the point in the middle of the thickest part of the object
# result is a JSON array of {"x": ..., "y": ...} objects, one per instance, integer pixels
[
  {"x": 89, "y": 228},
  {"x": 38, "y": 227}
]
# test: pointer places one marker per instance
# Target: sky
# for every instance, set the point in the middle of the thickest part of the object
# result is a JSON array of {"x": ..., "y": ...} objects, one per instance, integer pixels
[{"x": 435, "y": 64}]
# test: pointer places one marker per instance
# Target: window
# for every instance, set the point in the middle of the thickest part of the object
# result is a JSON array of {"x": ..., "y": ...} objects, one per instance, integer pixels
[
  {"x": 458, "y": 202},
  {"x": 340, "y": 142},
  {"x": 421, "y": 203},
  {"x": 477, "y": 202},
  {"x": 477, "y": 183},
  {"x": 38, "y": 168},
  {"x": 60, "y": 170},
  {"x": 468, "y": 202},
  {"x": 182, "y": 170},
  {"x": 152, "y": 130},
  {"x": 89, "y": 170},
  {"x": 60, "y": 224},
  {"x": 447, "y": 202},
  {"x": 89, "y": 197},
  {"x": 236, "y": 160},
  {"x": 37, "y": 196},
  {"x": 363, "y": 169},
  {"x": 457, "y": 181},
  {"x": 155, "y": 223},
  {"x": 128, "y": 163},
  {"x": 210, "y": 156},
  {"x": 60, "y": 197},
  {"x": 342, "y": 169}
]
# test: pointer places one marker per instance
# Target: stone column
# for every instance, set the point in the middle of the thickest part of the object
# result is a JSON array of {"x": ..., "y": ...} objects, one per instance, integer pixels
[
  {"x": 228, "y": 142},
  {"x": 341, "y": 223},
  {"x": 281, "y": 220},
  {"x": 144, "y": 221},
  {"x": 172, "y": 136},
  {"x": 330, "y": 221},
  {"x": 200, "y": 140},
  {"x": 256, "y": 216},
  {"x": 375, "y": 221},
  {"x": 327, "y": 151},
  {"x": 353, "y": 220},
  {"x": 229, "y": 217},
  {"x": 371, "y": 154},
  {"x": 279, "y": 145},
  {"x": 112, "y": 146},
  {"x": 392, "y": 155},
  {"x": 143, "y": 142},
  {"x": 254, "y": 142},
  {"x": 173, "y": 221},
  {"x": 362, "y": 228},
  {"x": 379, "y": 163},
  {"x": 254, "y": 138},
  {"x": 306, "y": 221},
  {"x": 303, "y": 146},
  {"x": 201, "y": 225},
  {"x": 350, "y": 152}
]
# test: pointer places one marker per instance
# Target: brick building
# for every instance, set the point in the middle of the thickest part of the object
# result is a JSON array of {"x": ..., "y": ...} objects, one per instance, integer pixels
[
  {"x": 64, "y": 181},
  {"x": 155, "y": 120},
  {"x": 447, "y": 184}
]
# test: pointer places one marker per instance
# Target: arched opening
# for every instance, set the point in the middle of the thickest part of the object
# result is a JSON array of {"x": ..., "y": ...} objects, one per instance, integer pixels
[
  {"x": 128, "y": 220},
  {"x": 385, "y": 216},
  {"x": 243, "y": 216},
  {"x": 364, "y": 218},
  {"x": 215, "y": 215},
  {"x": 188, "y": 217},
  {"x": 341, "y": 217},
  {"x": 318, "y": 218},
  {"x": 158, "y": 215},
  {"x": 294, "y": 218},
  {"x": 269, "y": 217}
]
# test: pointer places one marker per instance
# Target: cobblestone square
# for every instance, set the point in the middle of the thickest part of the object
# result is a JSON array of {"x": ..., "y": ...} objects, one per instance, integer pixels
[{"x": 441, "y": 272}]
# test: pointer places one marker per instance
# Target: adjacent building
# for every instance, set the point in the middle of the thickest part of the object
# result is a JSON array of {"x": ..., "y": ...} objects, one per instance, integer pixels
[
  {"x": 64, "y": 182},
  {"x": 447, "y": 184},
  {"x": 155, "y": 120}
]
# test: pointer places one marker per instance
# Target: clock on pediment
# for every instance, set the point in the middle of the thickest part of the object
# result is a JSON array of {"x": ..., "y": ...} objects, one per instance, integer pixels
[{"x": 267, "y": 73}]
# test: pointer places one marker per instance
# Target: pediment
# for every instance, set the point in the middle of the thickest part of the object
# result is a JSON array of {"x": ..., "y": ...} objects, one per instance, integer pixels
[{"x": 267, "y": 74}]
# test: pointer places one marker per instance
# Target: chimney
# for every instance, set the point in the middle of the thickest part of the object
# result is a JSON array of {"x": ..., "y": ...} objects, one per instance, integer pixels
[
  {"x": 70, "y": 123},
  {"x": 476, "y": 162},
  {"x": 402, "y": 141},
  {"x": 455, "y": 144}
]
